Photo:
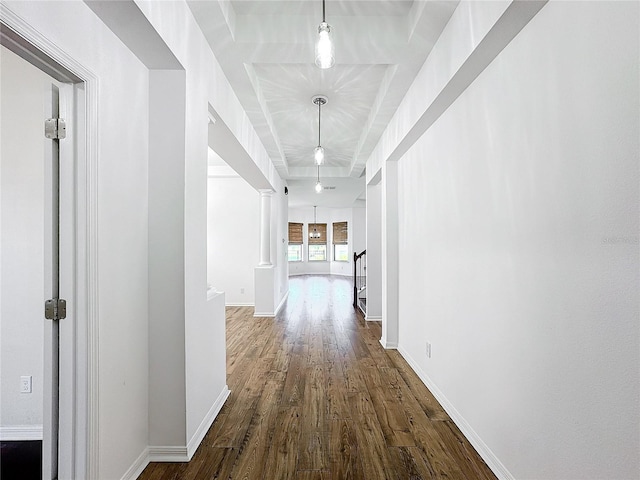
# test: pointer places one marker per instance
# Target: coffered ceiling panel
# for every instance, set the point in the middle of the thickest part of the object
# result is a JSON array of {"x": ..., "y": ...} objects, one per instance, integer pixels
[{"x": 288, "y": 91}]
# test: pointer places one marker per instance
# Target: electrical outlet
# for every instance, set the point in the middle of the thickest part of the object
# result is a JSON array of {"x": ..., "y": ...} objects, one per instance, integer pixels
[
  {"x": 25, "y": 384},
  {"x": 241, "y": 291},
  {"x": 428, "y": 350}
]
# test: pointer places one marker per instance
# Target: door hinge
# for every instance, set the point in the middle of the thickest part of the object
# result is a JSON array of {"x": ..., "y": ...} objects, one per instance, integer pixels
[
  {"x": 55, "y": 128},
  {"x": 55, "y": 309}
]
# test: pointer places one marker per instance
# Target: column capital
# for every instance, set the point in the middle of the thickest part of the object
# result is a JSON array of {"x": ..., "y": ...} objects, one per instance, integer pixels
[{"x": 266, "y": 192}]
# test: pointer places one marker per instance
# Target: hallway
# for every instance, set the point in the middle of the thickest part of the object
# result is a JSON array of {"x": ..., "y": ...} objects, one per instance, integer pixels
[{"x": 315, "y": 396}]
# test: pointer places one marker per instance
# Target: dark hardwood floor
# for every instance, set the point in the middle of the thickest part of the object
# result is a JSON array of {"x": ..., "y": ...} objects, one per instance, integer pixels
[{"x": 315, "y": 396}]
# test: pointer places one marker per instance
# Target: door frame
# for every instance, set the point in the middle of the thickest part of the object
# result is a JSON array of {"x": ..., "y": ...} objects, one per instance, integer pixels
[{"x": 81, "y": 451}]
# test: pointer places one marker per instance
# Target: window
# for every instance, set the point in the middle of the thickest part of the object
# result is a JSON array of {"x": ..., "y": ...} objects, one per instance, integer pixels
[
  {"x": 295, "y": 242},
  {"x": 318, "y": 244},
  {"x": 317, "y": 253},
  {"x": 295, "y": 253},
  {"x": 340, "y": 242},
  {"x": 341, "y": 253}
]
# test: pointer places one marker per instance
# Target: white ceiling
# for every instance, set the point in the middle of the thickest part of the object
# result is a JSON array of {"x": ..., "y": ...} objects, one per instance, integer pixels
[{"x": 266, "y": 50}]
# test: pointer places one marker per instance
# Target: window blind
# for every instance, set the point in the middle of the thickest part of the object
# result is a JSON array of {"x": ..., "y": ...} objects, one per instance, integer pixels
[
  {"x": 322, "y": 230},
  {"x": 340, "y": 233},
  {"x": 295, "y": 233}
]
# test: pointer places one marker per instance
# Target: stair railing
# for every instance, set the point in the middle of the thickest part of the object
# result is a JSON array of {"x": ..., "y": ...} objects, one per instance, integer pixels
[{"x": 359, "y": 274}]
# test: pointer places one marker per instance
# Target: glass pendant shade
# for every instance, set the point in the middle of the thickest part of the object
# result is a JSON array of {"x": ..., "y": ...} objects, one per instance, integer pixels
[
  {"x": 325, "y": 55},
  {"x": 318, "y": 155},
  {"x": 315, "y": 233},
  {"x": 318, "y": 187}
]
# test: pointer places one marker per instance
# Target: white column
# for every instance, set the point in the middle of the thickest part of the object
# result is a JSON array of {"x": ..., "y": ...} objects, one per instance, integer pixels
[{"x": 265, "y": 227}]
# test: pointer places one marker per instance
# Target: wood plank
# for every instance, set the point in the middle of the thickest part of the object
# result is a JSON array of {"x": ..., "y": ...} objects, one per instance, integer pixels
[
  {"x": 373, "y": 451},
  {"x": 392, "y": 419},
  {"x": 186, "y": 470},
  {"x": 153, "y": 471},
  {"x": 282, "y": 457},
  {"x": 418, "y": 390},
  {"x": 312, "y": 475},
  {"x": 465, "y": 455},
  {"x": 214, "y": 431},
  {"x": 217, "y": 463},
  {"x": 252, "y": 455},
  {"x": 316, "y": 350},
  {"x": 411, "y": 465},
  {"x": 336, "y": 393},
  {"x": 313, "y": 451},
  {"x": 343, "y": 451},
  {"x": 294, "y": 385},
  {"x": 435, "y": 451},
  {"x": 232, "y": 432},
  {"x": 314, "y": 405}
]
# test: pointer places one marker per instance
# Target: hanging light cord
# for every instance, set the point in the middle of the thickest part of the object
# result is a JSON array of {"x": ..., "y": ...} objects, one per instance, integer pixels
[
  {"x": 318, "y": 173},
  {"x": 319, "y": 106},
  {"x": 315, "y": 222},
  {"x": 323, "y": 19}
]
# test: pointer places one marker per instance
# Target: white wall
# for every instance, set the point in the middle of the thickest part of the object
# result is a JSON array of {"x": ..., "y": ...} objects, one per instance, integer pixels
[
  {"x": 374, "y": 251},
  {"x": 167, "y": 422},
  {"x": 22, "y": 200},
  {"x": 233, "y": 224},
  {"x": 519, "y": 262},
  {"x": 279, "y": 245},
  {"x": 206, "y": 376},
  {"x": 328, "y": 216},
  {"x": 390, "y": 254},
  {"x": 358, "y": 230},
  {"x": 341, "y": 215}
]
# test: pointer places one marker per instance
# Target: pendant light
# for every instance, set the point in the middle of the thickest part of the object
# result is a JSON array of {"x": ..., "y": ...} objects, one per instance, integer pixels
[
  {"x": 318, "y": 152},
  {"x": 315, "y": 233},
  {"x": 318, "y": 184},
  {"x": 325, "y": 55}
]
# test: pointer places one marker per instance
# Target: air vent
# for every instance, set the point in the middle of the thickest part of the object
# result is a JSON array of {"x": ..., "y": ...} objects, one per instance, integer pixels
[{"x": 329, "y": 188}]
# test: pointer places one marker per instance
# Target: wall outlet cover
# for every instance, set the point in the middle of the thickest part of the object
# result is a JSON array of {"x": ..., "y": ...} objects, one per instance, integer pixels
[{"x": 26, "y": 384}]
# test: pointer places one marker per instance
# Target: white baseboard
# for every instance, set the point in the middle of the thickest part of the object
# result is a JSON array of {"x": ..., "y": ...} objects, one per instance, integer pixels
[
  {"x": 211, "y": 415},
  {"x": 389, "y": 345},
  {"x": 167, "y": 454},
  {"x": 177, "y": 454},
  {"x": 297, "y": 274},
  {"x": 19, "y": 433},
  {"x": 137, "y": 466},
  {"x": 284, "y": 299},
  {"x": 272, "y": 314},
  {"x": 235, "y": 304},
  {"x": 373, "y": 318},
  {"x": 485, "y": 452}
]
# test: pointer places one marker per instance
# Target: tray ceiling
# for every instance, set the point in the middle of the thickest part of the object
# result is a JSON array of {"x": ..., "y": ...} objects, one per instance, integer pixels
[{"x": 265, "y": 49}]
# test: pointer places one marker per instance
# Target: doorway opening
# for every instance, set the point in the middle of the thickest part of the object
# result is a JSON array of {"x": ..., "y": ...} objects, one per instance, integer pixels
[{"x": 48, "y": 252}]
